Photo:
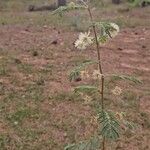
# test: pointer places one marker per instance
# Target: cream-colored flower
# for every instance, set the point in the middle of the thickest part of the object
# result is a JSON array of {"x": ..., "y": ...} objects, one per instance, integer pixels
[
  {"x": 16, "y": 123},
  {"x": 71, "y": 4},
  {"x": 117, "y": 90},
  {"x": 80, "y": 45},
  {"x": 84, "y": 74},
  {"x": 119, "y": 115},
  {"x": 87, "y": 99},
  {"x": 115, "y": 30},
  {"x": 96, "y": 74},
  {"x": 84, "y": 40}
]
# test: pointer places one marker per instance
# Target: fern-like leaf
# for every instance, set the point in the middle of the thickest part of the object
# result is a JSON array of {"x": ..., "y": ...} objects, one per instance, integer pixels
[
  {"x": 105, "y": 27},
  {"x": 92, "y": 144},
  {"x": 129, "y": 125},
  {"x": 124, "y": 77},
  {"x": 109, "y": 125},
  {"x": 102, "y": 39},
  {"x": 68, "y": 7},
  {"x": 85, "y": 88},
  {"x": 75, "y": 73}
]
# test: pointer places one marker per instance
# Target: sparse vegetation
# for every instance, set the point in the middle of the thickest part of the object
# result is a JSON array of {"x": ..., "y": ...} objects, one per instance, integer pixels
[
  {"x": 109, "y": 123},
  {"x": 39, "y": 107}
]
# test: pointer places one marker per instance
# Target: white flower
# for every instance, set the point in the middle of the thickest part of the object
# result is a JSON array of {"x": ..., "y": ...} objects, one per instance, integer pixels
[
  {"x": 16, "y": 123},
  {"x": 71, "y": 5},
  {"x": 80, "y": 45},
  {"x": 120, "y": 116},
  {"x": 96, "y": 74},
  {"x": 115, "y": 30},
  {"x": 84, "y": 40},
  {"x": 117, "y": 90},
  {"x": 84, "y": 74},
  {"x": 87, "y": 99}
]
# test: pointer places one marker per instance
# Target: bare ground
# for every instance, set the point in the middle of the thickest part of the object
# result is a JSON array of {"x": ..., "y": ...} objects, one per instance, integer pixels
[{"x": 40, "y": 58}]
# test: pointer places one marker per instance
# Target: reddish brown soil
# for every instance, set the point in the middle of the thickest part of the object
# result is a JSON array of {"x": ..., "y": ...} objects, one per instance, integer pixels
[{"x": 128, "y": 53}]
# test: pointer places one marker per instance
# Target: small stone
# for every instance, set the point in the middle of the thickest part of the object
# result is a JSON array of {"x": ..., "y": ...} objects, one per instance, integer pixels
[
  {"x": 143, "y": 46},
  {"x": 120, "y": 49},
  {"x": 17, "y": 61},
  {"x": 78, "y": 79},
  {"x": 27, "y": 29},
  {"x": 40, "y": 82},
  {"x": 54, "y": 42},
  {"x": 45, "y": 26},
  {"x": 35, "y": 53}
]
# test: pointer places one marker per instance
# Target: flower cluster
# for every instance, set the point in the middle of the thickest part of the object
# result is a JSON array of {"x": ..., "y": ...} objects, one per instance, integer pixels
[
  {"x": 96, "y": 74},
  {"x": 115, "y": 29},
  {"x": 84, "y": 40},
  {"x": 117, "y": 90},
  {"x": 120, "y": 116},
  {"x": 84, "y": 74}
]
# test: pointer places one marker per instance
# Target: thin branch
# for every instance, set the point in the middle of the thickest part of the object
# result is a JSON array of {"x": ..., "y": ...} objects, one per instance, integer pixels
[
  {"x": 99, "y": 59},
  {"x": 100, "y": 69}
]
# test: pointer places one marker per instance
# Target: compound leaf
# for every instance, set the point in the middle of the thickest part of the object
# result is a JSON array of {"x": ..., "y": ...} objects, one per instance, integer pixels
[
  {"x": 68, "y": 7},
  {"x": 125, "y": 77},
  {"x": 109, "y": 125},
  {"x": 75, "y": 73},
  {"x": 85, "y": 88},
  {"x": 91, "y": 144}
]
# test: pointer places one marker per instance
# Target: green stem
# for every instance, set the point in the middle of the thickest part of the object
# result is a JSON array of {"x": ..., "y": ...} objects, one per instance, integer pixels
[{"x": 100, "y": 69}]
